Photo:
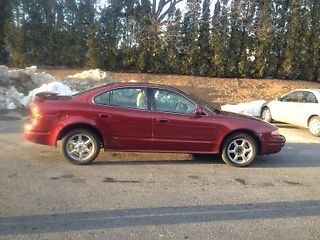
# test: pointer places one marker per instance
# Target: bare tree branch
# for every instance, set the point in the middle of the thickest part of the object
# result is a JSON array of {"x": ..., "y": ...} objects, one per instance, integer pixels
[
  {"x": 154, "y": 5},
  {"x": 159, "y": 12}
]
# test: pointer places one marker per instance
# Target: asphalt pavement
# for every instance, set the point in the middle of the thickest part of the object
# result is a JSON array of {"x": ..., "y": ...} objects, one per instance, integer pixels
[{"x": 157, "y": 196}]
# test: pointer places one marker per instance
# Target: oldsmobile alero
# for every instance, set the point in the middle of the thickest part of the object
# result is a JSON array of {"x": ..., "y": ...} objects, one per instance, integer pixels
[{"x": 142, "y": 117}]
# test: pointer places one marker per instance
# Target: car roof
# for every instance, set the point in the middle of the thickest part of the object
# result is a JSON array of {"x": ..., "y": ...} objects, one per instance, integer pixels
[
  {"x": 142, "y": 84},
  {"x": 315, "y": 91},
  {"x": 110, "y": 86},
  {"x": 139, "y": 84}
]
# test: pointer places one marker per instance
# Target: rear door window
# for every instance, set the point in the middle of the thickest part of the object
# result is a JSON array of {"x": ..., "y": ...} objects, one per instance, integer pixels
[
  {"x": 309, "y": 97},
  {"x": 124, "y": 98}
]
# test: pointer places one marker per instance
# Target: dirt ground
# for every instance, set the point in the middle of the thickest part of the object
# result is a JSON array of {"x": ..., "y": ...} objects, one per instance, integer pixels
[{"x": 218, "y": 91}]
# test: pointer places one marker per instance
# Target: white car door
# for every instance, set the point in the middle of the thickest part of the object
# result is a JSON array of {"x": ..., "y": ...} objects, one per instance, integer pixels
[
  {"x": 294, "y": 108},
  {"x": 304, "y": 109},
  {"x": 283, "y": 109}
]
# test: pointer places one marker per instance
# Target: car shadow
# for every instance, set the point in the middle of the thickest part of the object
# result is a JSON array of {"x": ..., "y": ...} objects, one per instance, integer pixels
[
  {"x": 293, "y": 155},
  {"x": 198, "y": 160}
]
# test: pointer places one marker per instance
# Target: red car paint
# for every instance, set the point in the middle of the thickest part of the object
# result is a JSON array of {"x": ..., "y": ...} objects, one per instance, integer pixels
[{"x": 128, "y": 129}]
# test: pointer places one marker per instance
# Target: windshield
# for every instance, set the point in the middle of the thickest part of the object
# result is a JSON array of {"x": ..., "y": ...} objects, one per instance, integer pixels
[{"x": 208, "y": 106}]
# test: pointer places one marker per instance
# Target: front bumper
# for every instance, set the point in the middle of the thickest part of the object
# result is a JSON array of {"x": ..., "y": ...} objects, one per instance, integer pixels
[{"x": 273, "y": 144}]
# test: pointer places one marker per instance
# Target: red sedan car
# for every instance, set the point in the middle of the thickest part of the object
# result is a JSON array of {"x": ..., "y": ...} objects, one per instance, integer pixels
[{"x": 146, "y": 118}]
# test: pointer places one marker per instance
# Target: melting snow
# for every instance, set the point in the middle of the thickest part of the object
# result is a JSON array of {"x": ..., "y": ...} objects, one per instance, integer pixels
[
  {"x": 11, "y": 98},
  {"x": 96, "y": 74},
  {"x": 55, "y": 87}
]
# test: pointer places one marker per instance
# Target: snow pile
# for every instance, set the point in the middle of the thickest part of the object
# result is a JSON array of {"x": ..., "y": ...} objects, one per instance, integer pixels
[
  {"x": 28, "y": 73},
  {"x": 14, "y": 99},
  {"x": 88, "y": 79},
  {"x": 3, "y": 73},
  {"x": 19, "y": 86},
  {"x": 16, "y": 83},
  {"x": 54, "y": 87},
  {"x": 39, "y": 78},
  {"x": 250, "y": 108},
  {"x": 96, "y": 74}
]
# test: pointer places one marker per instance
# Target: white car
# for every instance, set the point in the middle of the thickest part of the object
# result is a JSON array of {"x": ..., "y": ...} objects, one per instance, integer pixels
[{"x": 300, "y": 108}]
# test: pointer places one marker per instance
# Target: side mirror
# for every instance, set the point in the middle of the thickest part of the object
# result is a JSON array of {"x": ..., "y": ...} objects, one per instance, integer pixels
[
  {"x": 279, "y": 99},
  {"x": 199, "y": 111}
]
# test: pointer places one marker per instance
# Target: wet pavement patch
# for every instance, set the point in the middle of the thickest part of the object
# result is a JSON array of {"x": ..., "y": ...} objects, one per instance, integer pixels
[
  {"x": 112, "y": 180},
  {"x": 194, "y": 177},
  {"x": 54, "y": 178},
  {"x": 67, "y": 176},
  {"x": 241, "y": 180},
  {"x": 292, "y": 183},
  {"x": 13, "y": 175},
  {"x": 267, "y": 184}
]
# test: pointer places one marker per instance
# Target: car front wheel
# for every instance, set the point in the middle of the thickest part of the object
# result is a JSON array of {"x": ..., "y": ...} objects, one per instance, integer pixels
[
  {"x": 80, "y": 146},
  {"x": 266, "y": 115},
  {"x": 239, "y": 150},
  {"x": 314, "y": 126}
]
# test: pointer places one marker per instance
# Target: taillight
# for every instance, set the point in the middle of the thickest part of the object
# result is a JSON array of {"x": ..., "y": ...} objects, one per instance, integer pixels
[{"x": 35, "y": 111}]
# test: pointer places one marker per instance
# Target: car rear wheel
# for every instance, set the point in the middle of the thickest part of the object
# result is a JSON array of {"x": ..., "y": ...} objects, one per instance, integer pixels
[
  {"x": 239, "y": 150},
  {"x": 80, "y": 146},
  {"x": 266, "y": 115},
  {"x": 314, "y": 126}
]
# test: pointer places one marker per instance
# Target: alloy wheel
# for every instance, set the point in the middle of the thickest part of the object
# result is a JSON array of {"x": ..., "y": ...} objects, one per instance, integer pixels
[
  {"x": 80, "y": 147},
  {"x": 240, "y": 151}
]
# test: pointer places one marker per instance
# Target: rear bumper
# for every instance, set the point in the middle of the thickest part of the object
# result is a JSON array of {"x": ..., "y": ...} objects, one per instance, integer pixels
[
  {"x": 37, "y": 136},
  {"x": 273, "y": 144}
]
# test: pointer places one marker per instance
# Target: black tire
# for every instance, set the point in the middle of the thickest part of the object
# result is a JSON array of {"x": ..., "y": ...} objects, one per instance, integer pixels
[
  {"x": 266, "y": 115},
  {"x": 239, "y": 150},
  {"x": 80, "y": 146},
  {"x": 314, "y": 126}
]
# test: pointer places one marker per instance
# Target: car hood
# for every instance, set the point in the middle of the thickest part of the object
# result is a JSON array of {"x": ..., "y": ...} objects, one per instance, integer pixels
[{"x": 255, "y": 124}]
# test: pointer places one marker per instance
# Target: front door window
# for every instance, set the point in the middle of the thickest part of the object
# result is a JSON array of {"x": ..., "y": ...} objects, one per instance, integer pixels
[{"x": 168, "y": 101}]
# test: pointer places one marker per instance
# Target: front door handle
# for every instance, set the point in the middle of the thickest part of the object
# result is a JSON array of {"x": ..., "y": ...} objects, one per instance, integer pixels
[
  {"x": 163, "y": 120},
  {"x": 103, "y": 115}
]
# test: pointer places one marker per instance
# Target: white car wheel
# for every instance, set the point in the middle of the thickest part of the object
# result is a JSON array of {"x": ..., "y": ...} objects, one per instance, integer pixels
[
  {"x": 266, "y": 115},
  {"x": 314, "y": 126}
]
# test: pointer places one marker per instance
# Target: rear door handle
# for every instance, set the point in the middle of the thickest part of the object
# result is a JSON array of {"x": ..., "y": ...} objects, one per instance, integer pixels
[
  {"x": 103, "y": 115},
  {"x": 163, "y": 120}
]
